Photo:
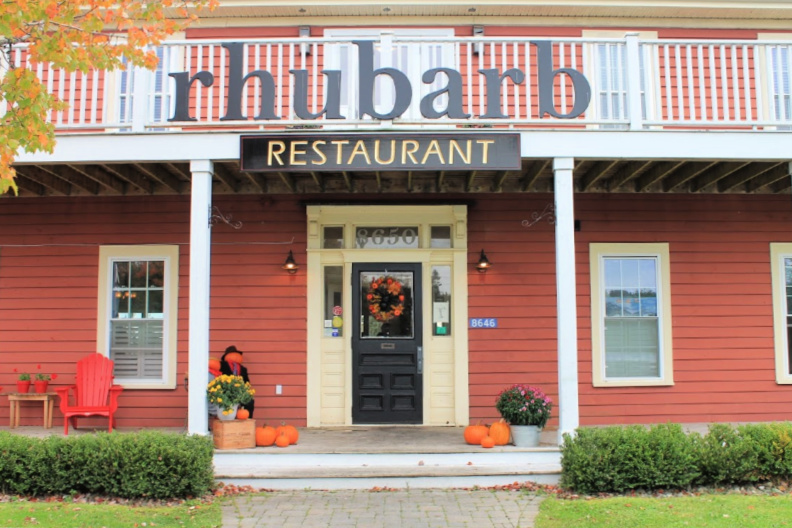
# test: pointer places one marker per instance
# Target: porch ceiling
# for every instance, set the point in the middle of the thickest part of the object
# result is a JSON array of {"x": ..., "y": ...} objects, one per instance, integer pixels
[{"x": 535, "y": 175}]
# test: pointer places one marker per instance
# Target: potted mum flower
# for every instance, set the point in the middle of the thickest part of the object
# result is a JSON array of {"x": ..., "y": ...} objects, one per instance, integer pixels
[
  {"x": 23, "y": 382},
  {"x": 527, "y": 409},
  {"x": 228, "y": 393}
]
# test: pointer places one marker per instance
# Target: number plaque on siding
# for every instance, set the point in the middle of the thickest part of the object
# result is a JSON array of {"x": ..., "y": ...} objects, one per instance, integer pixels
[{"x": 371, "y": 152}]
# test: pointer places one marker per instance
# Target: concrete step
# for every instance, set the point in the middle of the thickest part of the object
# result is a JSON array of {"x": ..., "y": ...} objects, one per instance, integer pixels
[{"x": 278, "y": 470}]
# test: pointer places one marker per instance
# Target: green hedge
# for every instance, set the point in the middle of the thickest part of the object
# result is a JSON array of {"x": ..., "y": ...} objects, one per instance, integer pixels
[
  {"x": 132, "y": 465},
  {"x": 618, "y": 459}
]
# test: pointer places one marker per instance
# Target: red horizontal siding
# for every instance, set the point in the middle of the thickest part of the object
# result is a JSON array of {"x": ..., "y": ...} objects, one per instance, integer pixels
[{"x": 720, "y": 287}]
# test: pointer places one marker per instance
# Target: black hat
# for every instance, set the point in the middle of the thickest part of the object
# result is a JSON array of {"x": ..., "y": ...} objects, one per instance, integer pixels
[{"x": 229, "y": 350}]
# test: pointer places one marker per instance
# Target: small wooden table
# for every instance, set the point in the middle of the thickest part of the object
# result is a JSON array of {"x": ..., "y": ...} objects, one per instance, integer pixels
[{"x": 15, "y": 398}]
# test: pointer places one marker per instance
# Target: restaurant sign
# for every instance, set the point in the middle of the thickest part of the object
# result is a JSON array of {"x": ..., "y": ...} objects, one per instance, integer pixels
[{"x": 376, "y": 152}]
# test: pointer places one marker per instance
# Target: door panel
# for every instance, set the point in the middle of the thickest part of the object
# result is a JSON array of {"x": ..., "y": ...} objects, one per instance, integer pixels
[{"x": 387, "y": 340}]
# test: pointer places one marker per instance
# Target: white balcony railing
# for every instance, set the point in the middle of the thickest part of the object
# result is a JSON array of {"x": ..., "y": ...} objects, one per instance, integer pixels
[{"x": 634, "y": 84}]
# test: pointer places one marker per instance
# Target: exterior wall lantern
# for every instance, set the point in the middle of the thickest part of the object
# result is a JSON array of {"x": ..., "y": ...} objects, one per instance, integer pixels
[
  {"x": 483, "y": 263},
  {"x": 290, "y": 265}
]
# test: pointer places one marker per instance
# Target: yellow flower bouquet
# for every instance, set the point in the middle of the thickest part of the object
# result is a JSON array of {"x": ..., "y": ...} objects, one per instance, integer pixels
[{"x": 227, "y": 391}]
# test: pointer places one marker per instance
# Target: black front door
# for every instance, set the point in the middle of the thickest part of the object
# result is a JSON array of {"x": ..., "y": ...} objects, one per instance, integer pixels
[{"x": 387, "y": 344}]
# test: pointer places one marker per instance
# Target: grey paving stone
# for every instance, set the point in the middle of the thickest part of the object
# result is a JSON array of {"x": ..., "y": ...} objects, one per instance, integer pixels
[{"x": 365, "y": 509}]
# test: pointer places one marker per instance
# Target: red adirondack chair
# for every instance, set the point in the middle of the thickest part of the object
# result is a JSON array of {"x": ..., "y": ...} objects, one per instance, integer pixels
[{"x": 94, "y": 393}]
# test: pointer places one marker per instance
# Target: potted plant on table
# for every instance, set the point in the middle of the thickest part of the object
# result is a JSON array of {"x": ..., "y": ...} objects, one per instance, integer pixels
[
  {"x": 23, "y": 382},
  {"x": 527, "y": 410},
  {"x": 42, "y": 381},
  {"x": 228, "y": 393}
]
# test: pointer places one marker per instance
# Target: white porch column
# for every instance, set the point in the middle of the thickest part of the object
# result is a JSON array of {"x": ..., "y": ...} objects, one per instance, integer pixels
[
  {"x": 200, "y": 256},
  {"x": 566, "y": 297}
]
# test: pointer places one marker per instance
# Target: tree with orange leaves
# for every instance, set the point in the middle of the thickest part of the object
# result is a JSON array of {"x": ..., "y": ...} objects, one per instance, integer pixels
[{"x": 76, "y": 36}]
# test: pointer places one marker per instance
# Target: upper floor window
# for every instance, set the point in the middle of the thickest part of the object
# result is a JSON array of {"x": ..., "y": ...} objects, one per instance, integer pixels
[
  {"x": 138, "y": 296},
  {"x": 631, "y": 314},
  {"x": 781, "y": 271},
  {"x": 780, "y": 77},
  {"x": 411, "y": 58},
  {"x": 158, "y": 104},
  {"x": 608, "y": 73}
]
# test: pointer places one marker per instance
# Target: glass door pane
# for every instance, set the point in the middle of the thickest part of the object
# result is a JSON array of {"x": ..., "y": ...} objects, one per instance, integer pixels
[{"x": 387, "y": 305}]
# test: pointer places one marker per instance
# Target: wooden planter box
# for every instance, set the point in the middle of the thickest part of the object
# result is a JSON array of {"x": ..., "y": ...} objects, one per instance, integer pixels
[{"x": 234, "y": 434}]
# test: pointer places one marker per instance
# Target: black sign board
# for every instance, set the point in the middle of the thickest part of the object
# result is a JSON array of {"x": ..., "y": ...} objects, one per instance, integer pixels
[{"x": 377, "y": 152}]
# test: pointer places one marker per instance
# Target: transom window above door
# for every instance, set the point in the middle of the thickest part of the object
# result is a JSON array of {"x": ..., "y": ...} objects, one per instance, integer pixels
[{"x": 389, "y": 237}]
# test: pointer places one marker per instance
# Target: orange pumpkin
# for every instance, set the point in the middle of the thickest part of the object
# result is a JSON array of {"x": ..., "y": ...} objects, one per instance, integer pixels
[
  {"x": 214, "y": 364},
  {"x": 265, "y": 436},
  {"x": 500, "y": 432},
  {"x": 474, "y": 434},
  {"x": 234, "y": 357},
  {"x": 291, "y": 432},
  {"x": 282, "y": 440},
  {"x": 487, "y": 442},
  {"x": 242, "y": 414}
]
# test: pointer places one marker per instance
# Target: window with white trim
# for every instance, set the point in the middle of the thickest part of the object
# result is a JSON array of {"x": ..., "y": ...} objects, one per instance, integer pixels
[
  {"x": 631, "y": 319},
  {"x": 781, "y": 271},
  {"x": 138, "y": 305},
  {"x": 607, "y": 72},
  {"x": 159, "y": 99},
  {"x": 412, "y": 58},
  {"x": 779, "y": 58}
]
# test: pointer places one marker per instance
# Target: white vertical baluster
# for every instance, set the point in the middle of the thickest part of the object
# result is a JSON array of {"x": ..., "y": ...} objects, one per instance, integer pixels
[
  {"x": 279, "y": 113},
  {"x": 199, "y": 85},
  {"x": 680, "y": 88},
  {"x": 528, "y": 80},
  {"x": 746, "y": 85},
  {"x": 713, "y": 84},
  {"x": 669, "y": 91},
  {"x": 691, "y": 90},
  {"x": 702, "y": 87},
  {"x": 735, "y": 84},
  {"x": 724, "y": 82}
]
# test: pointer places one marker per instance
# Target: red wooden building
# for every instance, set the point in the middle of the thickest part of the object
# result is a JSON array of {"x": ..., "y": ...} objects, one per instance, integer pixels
[{"x": 625, "y": 170}]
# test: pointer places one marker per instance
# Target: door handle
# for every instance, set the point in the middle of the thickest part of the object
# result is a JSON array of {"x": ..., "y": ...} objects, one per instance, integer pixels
[{"x": 420, "y": 360}]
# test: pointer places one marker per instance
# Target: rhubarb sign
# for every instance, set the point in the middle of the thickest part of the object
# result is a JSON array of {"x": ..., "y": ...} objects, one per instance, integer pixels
[{"x": 451, "y": 93}]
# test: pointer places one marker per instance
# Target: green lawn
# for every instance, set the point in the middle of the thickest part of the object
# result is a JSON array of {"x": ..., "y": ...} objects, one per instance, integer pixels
[
  {"x": 79, "y": 515},
  {"x": 714, "y": 511}
]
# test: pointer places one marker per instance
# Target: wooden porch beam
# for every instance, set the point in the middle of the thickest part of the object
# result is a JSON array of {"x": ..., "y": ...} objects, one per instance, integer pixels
[
  {"x": 26, "y": 184},
  {"x": 103, "y": 178},
  {"x": 288, "y": 179},
  {"x": 596, "y": 173},
  {"x": 347, "y": 180},
  {"x": 743, "y": 175},
  {"x": 318, "y": 180},
  {"x": 686, "y": 173},
  {"x": 783, "y": 183},
  {"x": 627, "y": 172},
  {"x": 716, "y": 174},
  {"x": 177, "y": 171},
  {"x": 54, "y": 184},
  {"x": 470, "y": 180},
  {"x": 532, "y": 173},
  {"x": 129, "y": 175},
  {"x": 225, "y": 176},
  {"x": 656, "y": 173},
  {"x": 160, "y": 176},
  {"x": 780, "y": 172},
  {"x": 77, "y": 179},
  {"x": 497, "y": 185}
]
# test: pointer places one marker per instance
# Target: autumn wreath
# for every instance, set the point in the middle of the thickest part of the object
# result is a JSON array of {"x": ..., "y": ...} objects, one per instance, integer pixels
[{"x": 385, "y": 298}]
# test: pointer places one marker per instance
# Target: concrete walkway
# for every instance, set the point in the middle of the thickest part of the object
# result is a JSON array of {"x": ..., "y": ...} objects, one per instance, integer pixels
[{"x": 385, "y": 509}]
